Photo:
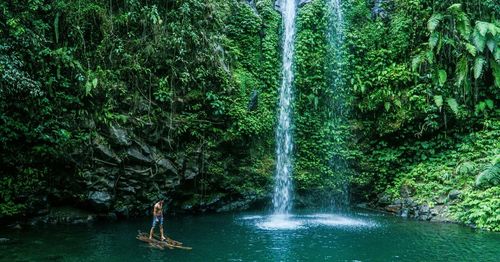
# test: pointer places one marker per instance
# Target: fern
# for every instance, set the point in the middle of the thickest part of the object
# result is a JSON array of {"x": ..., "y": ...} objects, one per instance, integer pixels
[
  {"x": 433, "y": 40},
  {"x": 482, "y": 27},
  {"x": 455, "y": 8},
  {"x": 479, "y": 40},
  {"x": 452, "y": 103},
  {"x": 442, "y": 77},
  {"x": 489, "y": 103},
  {"x": 465, "y": 168},
  {"x": 416, "y": 62},
  {"x": 494, "y": 29},
  {"x": 478, "y": 66},
  {"x": 429, "y": 56},
  {"x": 491, "y": 44},
  {"x": 463, "y": 25},
  {"x": 434, "y": 21},
  {"x": 489, "y": 177},
  {"x": 471, "y": 49},
  {"x": 461, "y": 70},
  {"x": 496, "y": 73},
  {"x": 439, "y": 101}
]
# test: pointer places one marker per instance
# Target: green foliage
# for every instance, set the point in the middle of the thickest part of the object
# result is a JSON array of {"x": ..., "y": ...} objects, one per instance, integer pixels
[
  {"x": 406, "y": 100},
  {"x": 490, "y": 176},
  {"x": 182, "y": 69},
  {"x": 480, "y": 208}
]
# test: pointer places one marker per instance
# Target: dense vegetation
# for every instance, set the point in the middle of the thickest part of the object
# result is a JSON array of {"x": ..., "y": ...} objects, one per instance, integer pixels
[{"x": 399, "y": 94}]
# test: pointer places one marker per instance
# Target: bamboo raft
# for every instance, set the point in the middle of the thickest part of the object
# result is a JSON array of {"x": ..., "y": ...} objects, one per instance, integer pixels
[{"x": 157, "y": 243}]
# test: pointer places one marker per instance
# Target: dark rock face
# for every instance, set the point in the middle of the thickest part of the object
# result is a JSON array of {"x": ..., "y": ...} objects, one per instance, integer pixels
[
  {"x": 378, "y": 9},
  {"x": 122, "y": 172},
  {"x": 100, "y": 200},
  {"x": 254, "y": 101},
  {"x": 136, "y": 155},
  {"x": 64, "y": 215},
  {"x": 383, "y": 200},
  {"x": 128, "y": 173},
  {"x": 454, "y": 194},
  {"x": 119, "y": 135},
  {"x": 4, "y": 240}
]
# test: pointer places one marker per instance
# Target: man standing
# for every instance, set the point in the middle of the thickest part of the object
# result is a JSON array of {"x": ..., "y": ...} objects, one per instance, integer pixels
[{"x": 157, "y": 218}]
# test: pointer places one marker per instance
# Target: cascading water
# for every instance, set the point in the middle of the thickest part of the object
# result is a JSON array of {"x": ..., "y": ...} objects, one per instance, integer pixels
[
  {"x": 336, "y": 40},
  {"x": 282, "y": 199},
  {"x": 338, "y": 112}
]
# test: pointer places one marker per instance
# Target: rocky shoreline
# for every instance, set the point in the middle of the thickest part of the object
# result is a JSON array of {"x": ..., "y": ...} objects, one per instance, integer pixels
[{"x": 406, "y": 206}]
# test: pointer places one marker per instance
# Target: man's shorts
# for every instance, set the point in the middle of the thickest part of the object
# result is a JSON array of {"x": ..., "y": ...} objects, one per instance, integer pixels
[{"x": 158, "y": 219}]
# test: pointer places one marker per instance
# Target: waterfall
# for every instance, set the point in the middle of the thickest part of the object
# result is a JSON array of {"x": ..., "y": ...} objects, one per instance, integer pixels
[
  {"x": 336, "y": 35},
  {"x": 336, "y": 39},
  {"x": 284, "y": 142}
]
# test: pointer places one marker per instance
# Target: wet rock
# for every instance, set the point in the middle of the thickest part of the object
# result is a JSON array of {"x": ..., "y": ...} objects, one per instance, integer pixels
[
  {"x": 441, "y": 199},
  {"x": 88, "y": 123},
  {"x": 192, "y": 170},
  {"x": 404, "y": 212},
  {"x": 235, "y": 206},
  {"x": 79, "y": 221},
  {"x": 252, "y": 5},
  {"x": 384, "y": 199},
  {"x": 425, "y": 217},
  {"x": 4, "y": 240},
  {"x": 99, "y": 200},
  {"x": 410, "y": 202},
  {"x": 393, "y": 208},
  {"x": 119, "y": 135},
  {"x": 122, "y": 212},
  {"x": 254, "y": 101},
  {"x": 90, "y": 218},
  {"x": 38, "y": 220},
  {"x": 454, "y": 194},
  {"x": 62, "y": 215},
  {"x": 189, "y": 174},
  {"x": 146, "y": 149},
  {"x": 107, "y": 216},
  {"x": 104, "y": 151},
  {"x": 128, "y": 189},
  {"x": 378, "y": 9},
  {"x": 406, "y": 191},
  {"x": 42, "y": 212},
  {"x": 424, "y": 209},
  {"x": 165, "y": 165},
  {"x": 180, "y": 161},
  {"x": 134, "y": 154},
  {"x": 362, "y": 205},
  {"x": 440, "y": 214}
]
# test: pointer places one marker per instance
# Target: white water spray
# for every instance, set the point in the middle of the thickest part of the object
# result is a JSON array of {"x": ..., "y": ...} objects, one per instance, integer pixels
[
  {"x": 336, "y": 36},
  {"x": 282, "y": 199}
]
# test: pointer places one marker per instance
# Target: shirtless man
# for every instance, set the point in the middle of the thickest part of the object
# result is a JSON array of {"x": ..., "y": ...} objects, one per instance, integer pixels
[{"x": 157, "y": 218}]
